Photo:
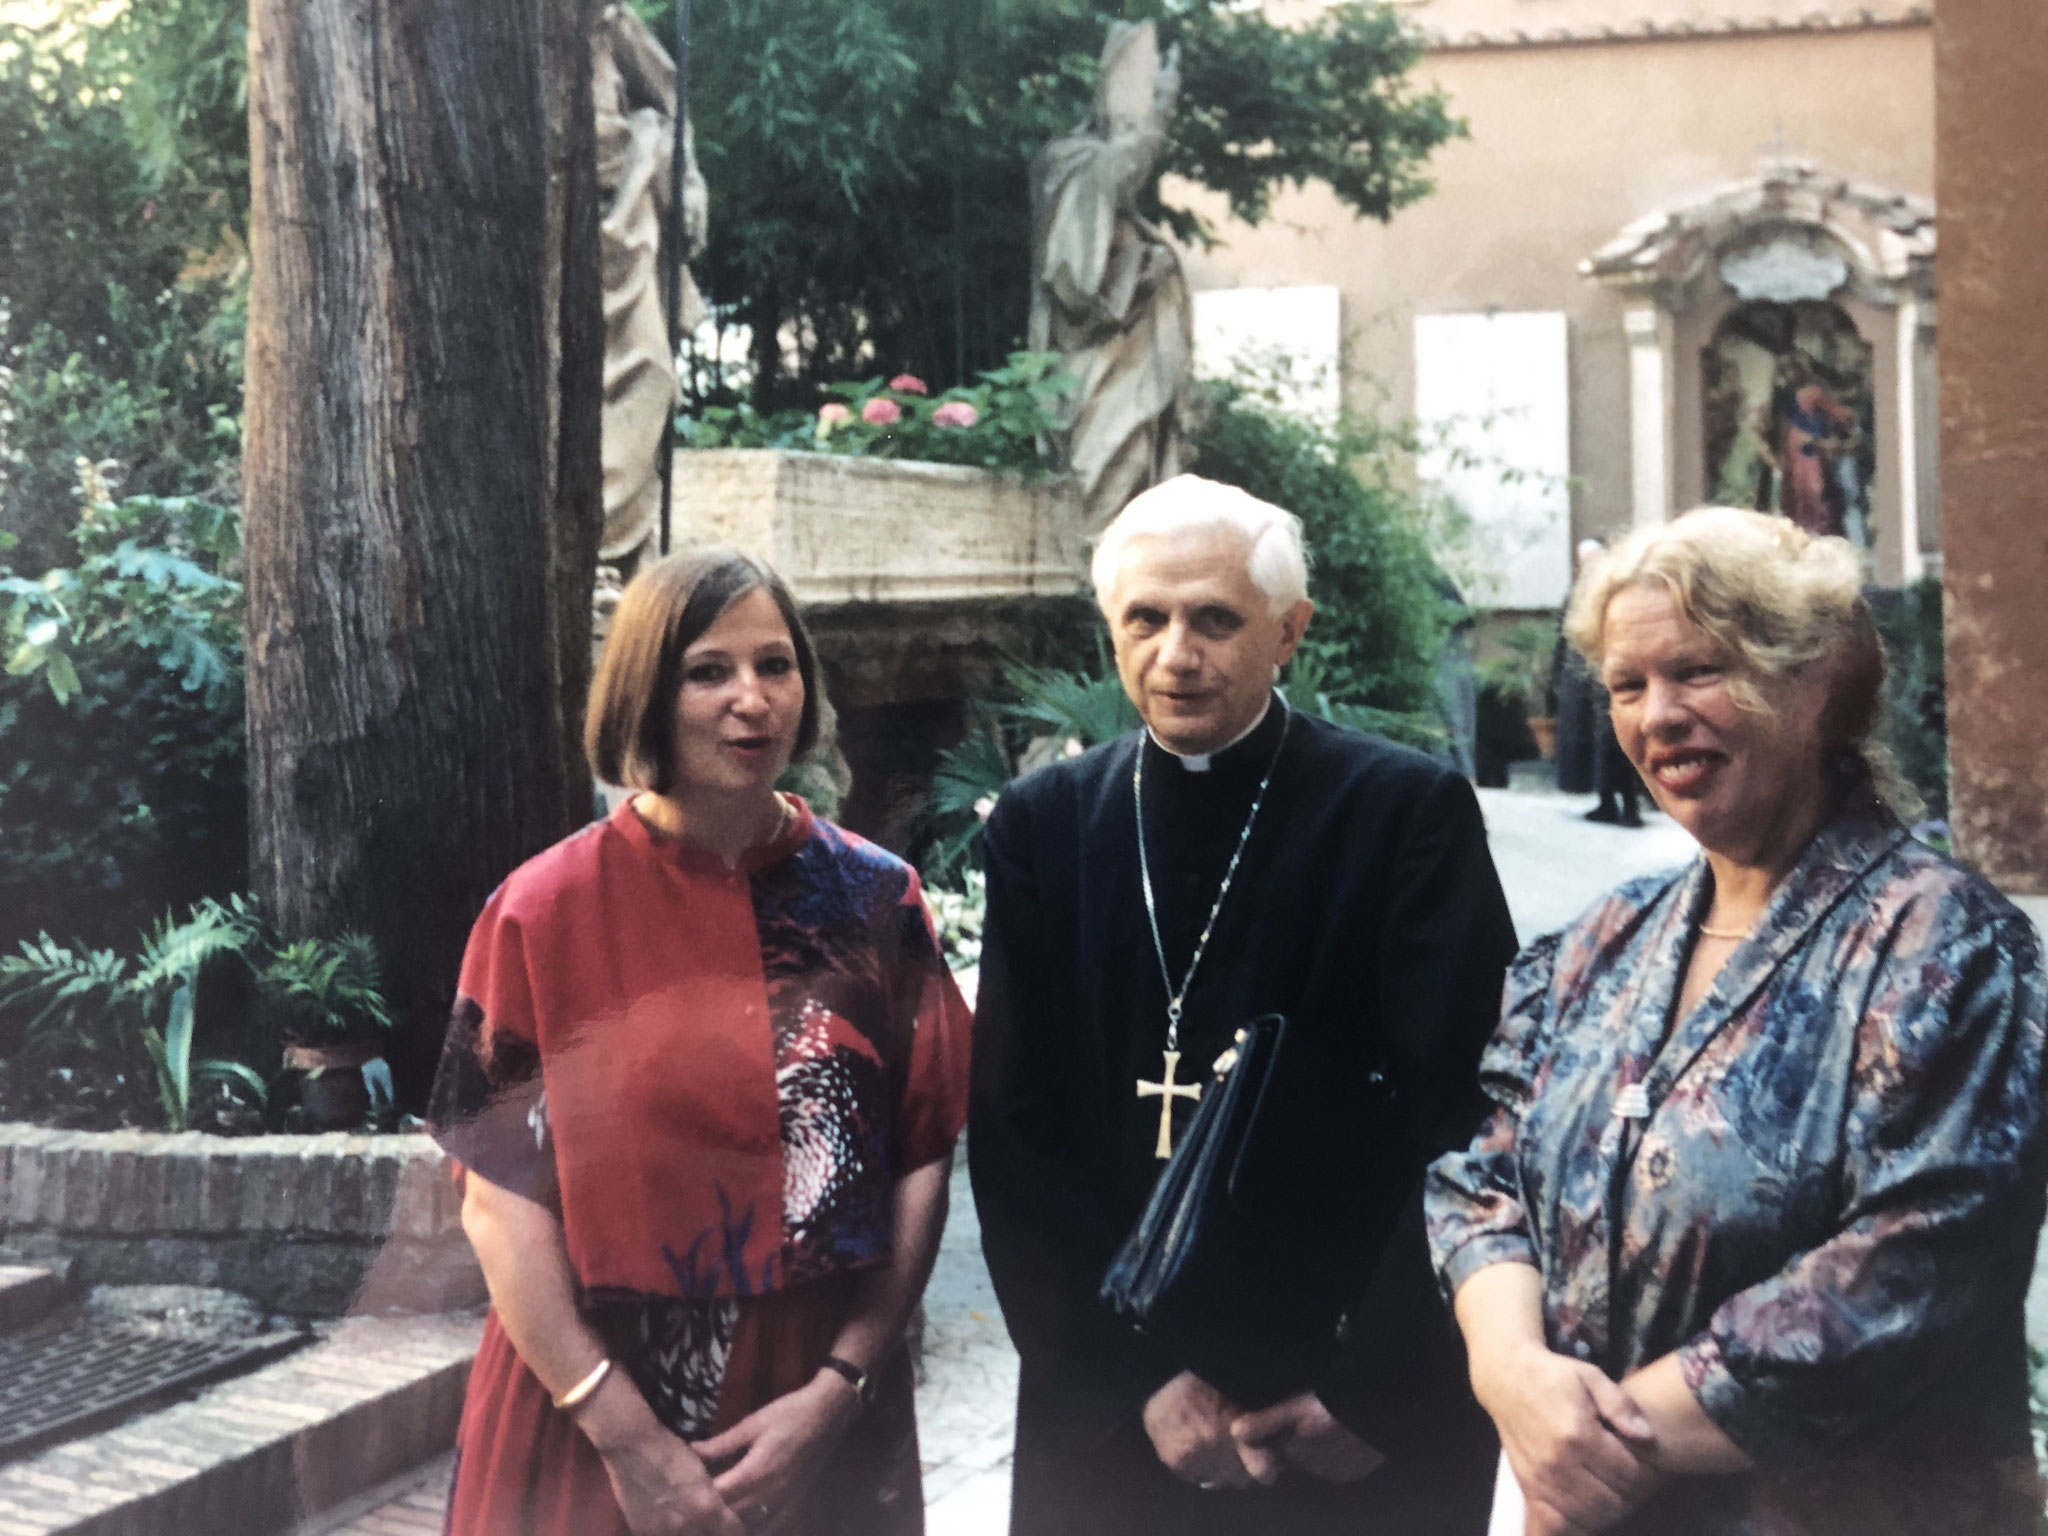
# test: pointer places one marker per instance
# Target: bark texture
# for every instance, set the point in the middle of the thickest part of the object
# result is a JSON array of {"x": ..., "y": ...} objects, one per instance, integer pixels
[{"x": 421, "y": 466}]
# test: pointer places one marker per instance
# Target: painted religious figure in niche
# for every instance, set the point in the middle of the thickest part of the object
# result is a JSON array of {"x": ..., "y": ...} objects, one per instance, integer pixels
[{"x": 1786, "y": 391}]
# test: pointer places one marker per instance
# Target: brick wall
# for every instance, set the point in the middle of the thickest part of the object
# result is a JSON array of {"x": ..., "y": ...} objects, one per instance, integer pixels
[{"x": 305, "y": 1225}]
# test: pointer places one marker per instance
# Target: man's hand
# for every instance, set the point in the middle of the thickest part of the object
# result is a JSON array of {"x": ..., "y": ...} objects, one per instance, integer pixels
[
  {"x": 1189, "y": 1422},
  {"x": 1301, "y": 1433}
]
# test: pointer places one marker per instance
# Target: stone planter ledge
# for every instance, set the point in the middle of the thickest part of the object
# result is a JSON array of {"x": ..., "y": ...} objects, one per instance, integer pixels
[{"x": 303, "y": 1225}]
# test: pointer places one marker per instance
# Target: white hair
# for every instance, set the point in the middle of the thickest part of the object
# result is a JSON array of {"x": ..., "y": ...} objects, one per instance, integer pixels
[{"x": 1274, "y": 557}]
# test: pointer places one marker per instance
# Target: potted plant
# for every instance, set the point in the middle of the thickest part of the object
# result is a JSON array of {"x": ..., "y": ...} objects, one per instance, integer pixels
[{"x": 326, "y": 1001}]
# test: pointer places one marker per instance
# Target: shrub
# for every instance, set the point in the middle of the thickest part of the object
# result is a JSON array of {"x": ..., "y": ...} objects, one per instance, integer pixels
[
  {"x": 1381, "y": 611},
  {"x": 133, "y": 1019},
  {"x": 1916, "y": 708},
  {"x": 122, "y": 779},
  {"x": 121, "y": 283}
]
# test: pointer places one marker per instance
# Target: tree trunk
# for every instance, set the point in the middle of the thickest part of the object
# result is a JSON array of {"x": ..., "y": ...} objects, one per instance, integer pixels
[{"x": 421, "y": 470}]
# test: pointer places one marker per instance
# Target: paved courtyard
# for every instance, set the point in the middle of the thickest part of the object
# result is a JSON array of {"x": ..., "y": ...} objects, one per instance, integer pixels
[{"x": 1552, "y": 864}]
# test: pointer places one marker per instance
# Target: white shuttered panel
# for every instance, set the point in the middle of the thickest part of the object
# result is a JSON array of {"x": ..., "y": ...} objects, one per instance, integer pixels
[{"x": 1492, "y": 399}]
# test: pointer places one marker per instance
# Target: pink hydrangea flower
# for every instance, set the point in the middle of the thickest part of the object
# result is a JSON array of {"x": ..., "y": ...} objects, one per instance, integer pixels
[
  {"x": 881, "y": 413},
  {"x": 830, "y": 415},
  {"x": 908, "y": 384},
  {"x": 955, "y": 413}
]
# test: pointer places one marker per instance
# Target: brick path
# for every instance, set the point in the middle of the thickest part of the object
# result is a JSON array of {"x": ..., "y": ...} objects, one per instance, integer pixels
[{"x": 413, "y": 1505}]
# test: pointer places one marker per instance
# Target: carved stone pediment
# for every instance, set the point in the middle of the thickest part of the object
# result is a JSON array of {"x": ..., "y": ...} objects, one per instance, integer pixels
[{"x": 1781, "y": 230}]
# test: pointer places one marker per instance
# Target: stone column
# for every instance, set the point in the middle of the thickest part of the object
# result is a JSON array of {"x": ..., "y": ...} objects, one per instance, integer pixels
[
  {"x": 1991, "y": 184},
  {"x": 1651, "y": 386},
  {"x": 1913, "y": 447},
  {"x": 1906, "y": 391}
]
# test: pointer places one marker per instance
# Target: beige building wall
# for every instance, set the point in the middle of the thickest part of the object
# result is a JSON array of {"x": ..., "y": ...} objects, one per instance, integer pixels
[{"x": 1570, "y": 142}]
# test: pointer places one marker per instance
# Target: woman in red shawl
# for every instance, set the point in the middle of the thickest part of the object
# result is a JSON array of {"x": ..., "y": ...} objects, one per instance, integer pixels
[{"x": 704, "y": 1077}]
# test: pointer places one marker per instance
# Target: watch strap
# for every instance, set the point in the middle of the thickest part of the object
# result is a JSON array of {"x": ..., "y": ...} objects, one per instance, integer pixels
[{"x": 862, "y": 1383}]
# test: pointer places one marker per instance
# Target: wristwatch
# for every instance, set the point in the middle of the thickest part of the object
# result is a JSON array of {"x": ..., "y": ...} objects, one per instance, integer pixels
[{"x": 862, "y": 1383}]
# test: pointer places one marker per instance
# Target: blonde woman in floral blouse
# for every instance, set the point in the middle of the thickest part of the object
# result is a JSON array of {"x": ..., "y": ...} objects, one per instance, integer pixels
[{"x": 1745, "y": 1245}]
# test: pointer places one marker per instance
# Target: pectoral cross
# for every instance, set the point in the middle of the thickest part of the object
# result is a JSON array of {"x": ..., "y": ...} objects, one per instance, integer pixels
[{"x": 1166, "y": 1092}]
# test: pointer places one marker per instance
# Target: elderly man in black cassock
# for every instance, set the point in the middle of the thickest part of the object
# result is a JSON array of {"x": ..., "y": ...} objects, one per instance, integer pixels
[{"x": 1364, "y": 907}]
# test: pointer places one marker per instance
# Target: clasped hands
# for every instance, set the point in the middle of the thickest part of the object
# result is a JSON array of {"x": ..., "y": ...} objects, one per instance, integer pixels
[
  {"x": 1205, "y": 1439},
  {"x": 664, "y": 1487},
  {"x": 1579, "y": 1444}
]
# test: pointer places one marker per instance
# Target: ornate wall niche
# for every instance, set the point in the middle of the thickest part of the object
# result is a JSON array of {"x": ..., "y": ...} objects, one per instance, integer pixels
[{"x": 1706, "y": 282}]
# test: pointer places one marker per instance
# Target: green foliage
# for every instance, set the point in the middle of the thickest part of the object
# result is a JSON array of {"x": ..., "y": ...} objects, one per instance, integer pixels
[
  {"x": 121, "y": 758},
  {"x": 1516, "y": 664},
  {"x": 1005, "y": 413},
  {"x": 1044, "y": 711},
  {"x": 1053, "y": 713},
  {"x": 957, "y": 917},
  {"x": 122, "y": 199},
  {"x": 133, "y": 1011},
  {"x": 1381, "y": 610},
  {"x": 326, "y": 991},
  {"x": 867, "y": 159},
  {"x": 2037, "y": 1412},
  {"x": 128, "y": 1011},
  {"x": 1915, "y": 720},
  {"x": 1071, "y": 706},
  {"x": 1328, "y": 101},
  {"x": 1307, "y": 686}
]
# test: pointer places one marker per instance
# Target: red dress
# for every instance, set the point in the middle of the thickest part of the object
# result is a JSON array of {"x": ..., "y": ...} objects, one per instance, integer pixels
[{"x": 715, "y": 1077}]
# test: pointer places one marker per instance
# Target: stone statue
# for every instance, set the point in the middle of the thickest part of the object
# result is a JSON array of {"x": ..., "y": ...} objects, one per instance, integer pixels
[
  {"x": 634, "y": 83},
  {"x": 1107, "y": 290}
]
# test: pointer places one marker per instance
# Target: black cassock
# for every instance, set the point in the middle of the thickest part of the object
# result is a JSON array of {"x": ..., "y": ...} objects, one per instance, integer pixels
[{"x": 1366, "y": 909}]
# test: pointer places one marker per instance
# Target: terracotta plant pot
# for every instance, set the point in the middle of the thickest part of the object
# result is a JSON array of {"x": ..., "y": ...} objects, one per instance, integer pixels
[
  {"x": 334, "y": 1093},
  {"x": 1544, "y": 729}
]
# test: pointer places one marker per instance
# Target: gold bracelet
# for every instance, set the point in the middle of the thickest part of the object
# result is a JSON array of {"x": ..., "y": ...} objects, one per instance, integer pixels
[{"x": 580, "y": 1394}]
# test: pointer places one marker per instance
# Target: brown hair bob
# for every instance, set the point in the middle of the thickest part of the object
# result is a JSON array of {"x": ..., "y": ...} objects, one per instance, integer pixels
[{"x": 629, "y": 728}]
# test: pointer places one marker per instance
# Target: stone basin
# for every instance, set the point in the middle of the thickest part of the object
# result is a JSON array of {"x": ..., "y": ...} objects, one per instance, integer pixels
[
  {"x": 847, "y": 530},
  {"x": 917, "y": 582}
]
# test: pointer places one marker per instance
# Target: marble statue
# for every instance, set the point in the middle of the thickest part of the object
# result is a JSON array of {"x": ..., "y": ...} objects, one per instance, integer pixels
[
  {"x": 1107, "y": 289},
  {"x": 634, "y": 83}
]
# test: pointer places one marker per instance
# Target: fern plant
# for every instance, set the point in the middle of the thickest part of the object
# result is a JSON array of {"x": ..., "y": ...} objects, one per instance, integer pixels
[
  {"x": 327, "y": 990},
  {"x": 1307, "y": 688},
  {"x": 117, "y": 1008},
  {"x": 1072, "y": 711},
  {"x": 123, "y": 1010},
  {"x": 1090, "y": 709}
]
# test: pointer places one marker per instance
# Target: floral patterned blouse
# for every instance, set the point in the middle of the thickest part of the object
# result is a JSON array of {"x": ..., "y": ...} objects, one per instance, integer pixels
[{"x": 1827, "y": 1196}]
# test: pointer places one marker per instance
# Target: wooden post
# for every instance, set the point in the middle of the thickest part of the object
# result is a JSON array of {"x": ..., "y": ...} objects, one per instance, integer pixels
[{"x": 421, "y": 470}]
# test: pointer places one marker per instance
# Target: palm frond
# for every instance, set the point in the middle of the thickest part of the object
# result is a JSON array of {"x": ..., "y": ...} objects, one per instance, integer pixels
[
  {"x": 336, "y": 984},
  {"x": 974, "y": 769},
  {"x": 1092, "y": 709},
  {"x": 175, "y": 952},
  {"x": 68, "y": 989}
]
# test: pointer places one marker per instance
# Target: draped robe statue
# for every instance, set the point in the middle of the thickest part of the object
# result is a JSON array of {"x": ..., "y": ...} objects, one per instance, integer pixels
[
  {"x": 1107, "y": 290},
  {"x": 634, "y": 83}
]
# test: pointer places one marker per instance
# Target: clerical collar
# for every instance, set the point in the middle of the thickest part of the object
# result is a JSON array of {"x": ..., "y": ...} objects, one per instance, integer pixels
[{"x": 1202, "y": 762}]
